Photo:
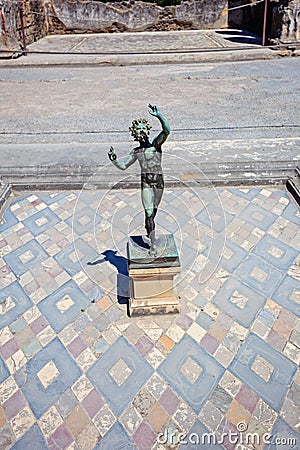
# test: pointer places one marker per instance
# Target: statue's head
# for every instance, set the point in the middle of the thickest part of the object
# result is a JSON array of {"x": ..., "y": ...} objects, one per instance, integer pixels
[{"x": 140, "y": 130}]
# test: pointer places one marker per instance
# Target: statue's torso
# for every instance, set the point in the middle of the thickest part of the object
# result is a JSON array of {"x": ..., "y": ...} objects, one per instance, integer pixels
[{"x": 149, "y": 159}]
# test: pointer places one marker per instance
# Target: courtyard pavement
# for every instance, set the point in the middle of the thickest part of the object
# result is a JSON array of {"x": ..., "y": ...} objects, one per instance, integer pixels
[
  {"x": 77, "y": 373},
  {"x": 149, "y": 47}
]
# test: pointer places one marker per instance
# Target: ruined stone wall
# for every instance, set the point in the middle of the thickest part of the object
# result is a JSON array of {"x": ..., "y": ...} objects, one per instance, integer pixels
[
  {"x": 283, "y": 18},
  {"x": 82, "y": 16},
  {"x": 35, "y": 25},
  {"x": 93, "y": 16},
  {"x": 248, "y": 18}
]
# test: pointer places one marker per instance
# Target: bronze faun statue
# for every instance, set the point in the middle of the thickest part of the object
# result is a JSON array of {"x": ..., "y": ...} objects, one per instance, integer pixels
[{"x": 149, "y": 156}]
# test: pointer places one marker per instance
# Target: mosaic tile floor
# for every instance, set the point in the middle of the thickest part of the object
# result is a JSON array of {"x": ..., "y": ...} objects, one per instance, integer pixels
[{"x": 77, "y": 373}]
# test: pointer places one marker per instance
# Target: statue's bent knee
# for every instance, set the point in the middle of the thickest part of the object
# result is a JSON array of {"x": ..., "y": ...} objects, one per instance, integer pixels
[{"x": 149, "y": 212}]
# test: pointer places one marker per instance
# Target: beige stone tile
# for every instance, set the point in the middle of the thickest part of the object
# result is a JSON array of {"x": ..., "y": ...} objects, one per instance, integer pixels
[
  {"x": 131, "y": 419},
  {"x": 77, "y": 421},
  {"x": 236, "y": 414},
  {"x": 88, "y": 438},
  {"x": 224, "y": 356},
  {"x": 157, "y": 417},
  {"x": 292, "y": 352},
  {"x": 265, "y": 415},
  {"x": 5, "y": 335}
]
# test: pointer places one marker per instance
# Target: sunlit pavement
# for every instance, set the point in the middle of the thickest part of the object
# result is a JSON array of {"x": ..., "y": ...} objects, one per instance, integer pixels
[
  {"x": 148, "y": 47},
  {"x": 77, "y": 373}
]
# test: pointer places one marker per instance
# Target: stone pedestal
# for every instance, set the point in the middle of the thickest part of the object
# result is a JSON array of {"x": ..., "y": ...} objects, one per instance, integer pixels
[{"x": 152, "y": 287}]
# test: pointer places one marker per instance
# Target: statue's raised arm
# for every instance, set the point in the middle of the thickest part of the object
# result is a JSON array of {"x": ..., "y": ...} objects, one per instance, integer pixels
[{"x": 160, "y": 139}]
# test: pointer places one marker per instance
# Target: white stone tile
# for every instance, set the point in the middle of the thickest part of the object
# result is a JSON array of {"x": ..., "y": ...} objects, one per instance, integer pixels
[
  {"x": 104, "y": 419},
  {"x": 7, "y": 389},
  {"x": 196, "y": 332},
  {"x": 86, "y": 359},
  {"x": 82, "y": 387},
  {"x": 50, "y": 421},
  {"x": 16, "y": 361},
  {"x": 22, "y": 422},
  {"x": 48, "y": 374},
  {"x": 120, "y": 372}
]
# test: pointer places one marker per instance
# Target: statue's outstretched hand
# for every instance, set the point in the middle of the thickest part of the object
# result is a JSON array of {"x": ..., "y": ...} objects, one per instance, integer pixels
[
  {"x": 153, "y": 110},
  {"x": 111, "y": 154}
]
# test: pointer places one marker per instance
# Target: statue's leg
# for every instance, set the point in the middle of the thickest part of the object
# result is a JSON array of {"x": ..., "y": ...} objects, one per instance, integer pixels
[
  {"x": 148, "y": 203},
  {"x": 158, "y": 192}
]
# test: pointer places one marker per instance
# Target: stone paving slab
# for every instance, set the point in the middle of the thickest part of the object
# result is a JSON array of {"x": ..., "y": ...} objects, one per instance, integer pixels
[
  {"x": 77, "y": 373},
  {"x": 146, "y": 41}
]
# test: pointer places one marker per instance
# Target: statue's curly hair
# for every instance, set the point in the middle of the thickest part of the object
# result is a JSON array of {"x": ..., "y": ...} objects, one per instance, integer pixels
[{"x": 137, "y": 122}]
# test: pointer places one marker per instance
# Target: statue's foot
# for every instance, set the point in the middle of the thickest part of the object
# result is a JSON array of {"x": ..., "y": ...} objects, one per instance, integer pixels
[{"x": 153, "y": 251}]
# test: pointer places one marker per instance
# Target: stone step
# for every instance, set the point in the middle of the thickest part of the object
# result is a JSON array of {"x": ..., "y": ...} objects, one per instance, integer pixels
[{"x": 219, "y": 161}]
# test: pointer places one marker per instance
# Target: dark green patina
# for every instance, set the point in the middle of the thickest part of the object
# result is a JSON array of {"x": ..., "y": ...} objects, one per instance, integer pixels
[
  {"x": 166, "y": 252},
  {"x": 149, "y": 155}
]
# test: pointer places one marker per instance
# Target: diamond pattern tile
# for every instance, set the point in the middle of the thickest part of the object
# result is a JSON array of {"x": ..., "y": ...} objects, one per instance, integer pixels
[
  {"x": 121, "y": 393},
  {"x": 25, "y": 257},
  {"x": 84, "y": 220},
  {"x": 115, "y": 438},
  {"x": 64, "y": 305},
  {"x": 48, "y": 374},
  {"x": 120, "y": 372},
  {"x": 239, "y": 301},
  {"x": 13, "y": 303},
  {"x": 288, "y": 295},
  {"x": 75, "y": 256},
  {"x": 258, "y": 216},
  {"x": 46, "y": 377},
  {"x": 259, "y": 275},
  {"x": 271, "y": 385},
  {"x": 39, "y": 222},
  {"x": 204, "y": 379},
  {"x": 191, "y": 370},
  {"x": 275, "y": 252}
]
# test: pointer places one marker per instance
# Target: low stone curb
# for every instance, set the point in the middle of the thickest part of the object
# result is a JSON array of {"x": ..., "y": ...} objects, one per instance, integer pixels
[
  {"x": 222, "y": 55},
  {"x": 76, "y": 177}
]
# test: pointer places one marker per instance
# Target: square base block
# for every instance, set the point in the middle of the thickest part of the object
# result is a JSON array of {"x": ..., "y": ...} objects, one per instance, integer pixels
[{"x": 152, "y": 289}]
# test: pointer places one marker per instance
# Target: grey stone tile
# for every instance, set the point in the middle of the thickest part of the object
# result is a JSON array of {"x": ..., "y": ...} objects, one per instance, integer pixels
[{"x": 221, "y": 399}]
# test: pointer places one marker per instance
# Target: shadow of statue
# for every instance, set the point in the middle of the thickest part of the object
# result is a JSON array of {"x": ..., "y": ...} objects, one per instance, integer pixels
[
  {"x": 140, "y": 242},
  {"x": 123, "y": 279}
]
